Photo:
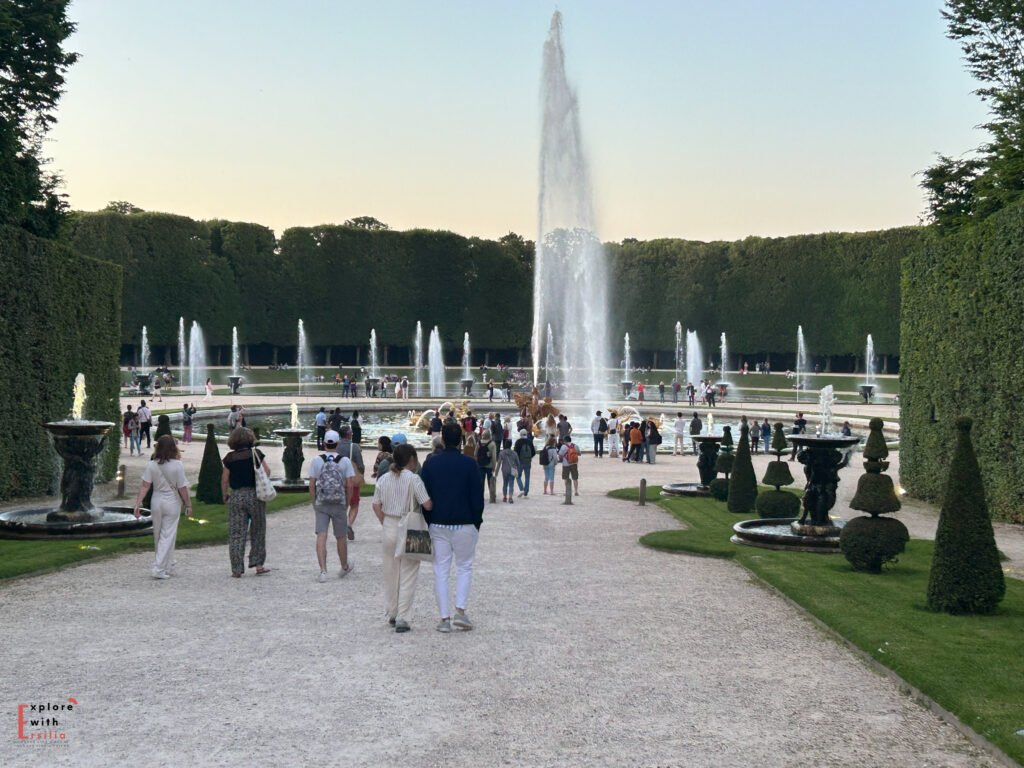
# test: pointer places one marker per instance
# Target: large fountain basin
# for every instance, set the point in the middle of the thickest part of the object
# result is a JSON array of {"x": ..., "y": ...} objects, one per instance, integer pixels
[
  {"x": 107, "y": 522},
  {"x": 79, "y": 428}
]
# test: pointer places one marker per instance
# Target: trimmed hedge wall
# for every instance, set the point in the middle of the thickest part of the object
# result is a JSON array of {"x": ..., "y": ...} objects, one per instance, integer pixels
[
  {"x": 344, "y": 280},
  {"x": 61, "y": 315},
  {"x": 962, "y": 352}
]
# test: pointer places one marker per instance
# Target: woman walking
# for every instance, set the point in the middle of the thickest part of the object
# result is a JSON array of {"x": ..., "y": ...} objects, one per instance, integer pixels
[
  {"x": 550, "y": 462},
  {"x": 393, "y": 498},
  {"x": 135, "y": 434},
  {"x": 509, "y": 465},
  {"x": 246, "y": 513},
  {"x": 165, "y": 474}
]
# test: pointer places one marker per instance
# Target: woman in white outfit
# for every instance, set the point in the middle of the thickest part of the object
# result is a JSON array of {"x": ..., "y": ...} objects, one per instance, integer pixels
[
  {"x": 391, "y": 501},
  {"x": 165, "y": 474}
]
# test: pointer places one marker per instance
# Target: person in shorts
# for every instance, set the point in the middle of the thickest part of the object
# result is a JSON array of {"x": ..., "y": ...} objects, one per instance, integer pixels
[
  {"x": 569, "y": 456},
  {"x": 329, "y": 476}
]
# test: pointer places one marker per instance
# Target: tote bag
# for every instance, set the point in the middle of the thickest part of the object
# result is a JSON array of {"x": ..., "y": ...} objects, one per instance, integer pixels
[
  {"x": 265, "y": 490},
  {"x": 414, "y": 540}
]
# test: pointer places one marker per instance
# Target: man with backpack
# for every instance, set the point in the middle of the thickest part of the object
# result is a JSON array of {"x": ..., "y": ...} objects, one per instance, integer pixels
[
  {"x": 569, "y": 456},
  {"x": 525, "y": 451},
  {"x": 486, "y": 461},
  {"x": 599, "y": 428},
  {"x": 145, "y": 422},
  {"x": 329, "y": 479}
]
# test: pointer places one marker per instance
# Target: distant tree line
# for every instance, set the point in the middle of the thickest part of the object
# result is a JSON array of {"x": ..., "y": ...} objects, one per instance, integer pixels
[{"x": 344, "y": 280}]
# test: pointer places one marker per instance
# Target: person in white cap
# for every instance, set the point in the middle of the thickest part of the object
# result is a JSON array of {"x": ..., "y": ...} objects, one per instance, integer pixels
[{"x": 329, "y": 476}]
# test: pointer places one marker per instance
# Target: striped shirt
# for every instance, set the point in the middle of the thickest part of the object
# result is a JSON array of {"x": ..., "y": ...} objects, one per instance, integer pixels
[{"x": 393, "y": 489}]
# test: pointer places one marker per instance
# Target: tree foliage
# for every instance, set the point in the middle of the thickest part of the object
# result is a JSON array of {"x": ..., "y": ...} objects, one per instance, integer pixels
[
  {"x": 32, "y": 66},
  {"x": 991, "y": 36}
]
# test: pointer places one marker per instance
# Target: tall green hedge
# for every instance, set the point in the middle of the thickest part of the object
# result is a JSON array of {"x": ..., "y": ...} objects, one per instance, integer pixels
[
  {"x": 343, "y": 280},
  {"x": 61, "y": 315},
  {"x": 962, "y": 346}
]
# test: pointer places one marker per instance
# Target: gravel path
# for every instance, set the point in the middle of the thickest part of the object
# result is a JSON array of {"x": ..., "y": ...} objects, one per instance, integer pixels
[{"x": 589, "y": 650}]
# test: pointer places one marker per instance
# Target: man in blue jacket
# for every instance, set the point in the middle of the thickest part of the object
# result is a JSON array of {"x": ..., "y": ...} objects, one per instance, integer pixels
[{"x": 453, "y": 482}]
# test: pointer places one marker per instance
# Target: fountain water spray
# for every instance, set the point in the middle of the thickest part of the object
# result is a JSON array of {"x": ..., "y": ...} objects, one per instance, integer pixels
[
  {"x": 418, "y": 359},
  {"x": 435, "y": 362},
  {"x": 549, "y": 355},
  {"x": 570, "y": 287},
  {"x": 724, "y": 347},
  {"x": 234, "y": 351},
  {"x": 869, "y": 361},
  {"x": 465, "y": 357},
  {"x": 78, "y": 398},
  {"x": 182, "y": 352},
  {"x": 680, "y": 351},
  {"x": 144, "y": 361},
  {"x": 694, "y": 359},
  {"x": 801, "y": 361},
  {"x": 374, "y": 368},
  {"x": 627, "y": 362},
  {"x": 826, "y": 400},
  {"x": 295, "y": 416},
  {"x": 196, "y": 358},
  {"x": 303, "y": 354}
]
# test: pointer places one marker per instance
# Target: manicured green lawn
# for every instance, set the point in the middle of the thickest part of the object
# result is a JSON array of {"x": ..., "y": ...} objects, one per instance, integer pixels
[
  {"x": 208, "y": 525},
  {"x": 971, "y": 665}
]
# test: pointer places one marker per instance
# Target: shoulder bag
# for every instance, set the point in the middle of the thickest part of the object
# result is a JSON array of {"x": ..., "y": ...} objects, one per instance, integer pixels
[
  {"x": 265, "y": 490},
  {"x": 414, "y": 542}
]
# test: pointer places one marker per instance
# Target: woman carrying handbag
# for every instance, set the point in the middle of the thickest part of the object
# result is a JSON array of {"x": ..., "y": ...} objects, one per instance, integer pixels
[
  {"x": 247, "y": 513},
  {"x": 397, "y": 498}
]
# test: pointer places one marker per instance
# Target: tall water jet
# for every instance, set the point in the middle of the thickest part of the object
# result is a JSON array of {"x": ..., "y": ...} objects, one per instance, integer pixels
[
  {"x": 724, "y": 349},
  {"x": 196, "y": 359},
  {"x": 303, "y": 355},
  {"x": 182, "y": 353},
  {"x": 627, "y": 367},
  {"x": 467, "y": 376},
  {"x": 694, "y": 359},
  {"x": 867, "y": 389},
  {"x": 144, "y": 354},
  {"x": 374, "y": 366},
  {"x": 550, "y": 364},
  {"x": 680, "y": 351},
  {"x": 435, "y": 362},
  {"x": 235, "y": 363},
  {"x": 417, "y": 365},
  {"x": 801, "y": 361},
  {"x": 570, "y": 276}
]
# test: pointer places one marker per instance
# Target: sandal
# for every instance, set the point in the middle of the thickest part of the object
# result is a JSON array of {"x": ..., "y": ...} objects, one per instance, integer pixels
[
  {"x": 261, "y": 570},
  {"x": 236, "y": 575}
]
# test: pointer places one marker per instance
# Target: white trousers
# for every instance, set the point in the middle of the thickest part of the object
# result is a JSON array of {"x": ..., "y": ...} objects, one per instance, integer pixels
[
  {"x": 613, "y": 444},
  {"x": 399, "y": 573},
  {"x": 680, "y": 446},
  {"x": 448, "y": 544},
  {"x": 165, "y": 516}
]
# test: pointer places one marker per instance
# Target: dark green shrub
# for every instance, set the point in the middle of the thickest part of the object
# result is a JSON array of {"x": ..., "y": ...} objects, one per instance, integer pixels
[
  {"x": 966, "y": 576},
  {"x": 776, "y": 504},
  {"x": 719, "y": 489},
  {"x": 163, "y": 426},
  {"x": 777, "y": 474},
  {"x": 871, "y": 542},
  {"x": 742, "y": 481},
  {"x": 208, "y": 487},
  {"x": 875, "y": 491}
]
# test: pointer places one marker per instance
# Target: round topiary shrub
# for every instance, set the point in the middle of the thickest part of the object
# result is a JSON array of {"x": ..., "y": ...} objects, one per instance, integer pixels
[
  {"x": 776, "y": 504},
  {"x": 724, "y": 464},
  {"x": 871, "y": 542},
  {"x": 719, "y": 489}
]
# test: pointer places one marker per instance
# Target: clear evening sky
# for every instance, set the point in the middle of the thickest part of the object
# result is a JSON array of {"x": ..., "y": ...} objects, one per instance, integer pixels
[{"x": 704, "y": 120}]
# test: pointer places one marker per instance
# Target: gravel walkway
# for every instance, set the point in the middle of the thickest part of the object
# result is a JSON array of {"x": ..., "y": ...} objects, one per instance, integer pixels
[{"x": 589, "y": 650}]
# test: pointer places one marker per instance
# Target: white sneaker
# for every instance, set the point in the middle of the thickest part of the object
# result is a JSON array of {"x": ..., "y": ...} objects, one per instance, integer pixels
[
  {"x": 161, "y": 575},
  {"x": 322, "y": 578},
  {"x": 342, "y": 573}
]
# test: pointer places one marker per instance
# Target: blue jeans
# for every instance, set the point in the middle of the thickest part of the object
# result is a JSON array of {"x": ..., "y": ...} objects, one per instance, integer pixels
[
  {"x": 549, "y": 473},
  {"x": 135, "y": 443},
  {"x": 508, "y": 484},
  {"x": 524, "y": 478}
]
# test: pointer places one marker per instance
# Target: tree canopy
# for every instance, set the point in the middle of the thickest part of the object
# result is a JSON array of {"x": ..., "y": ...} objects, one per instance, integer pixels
[{"x": 32, "y": 66}]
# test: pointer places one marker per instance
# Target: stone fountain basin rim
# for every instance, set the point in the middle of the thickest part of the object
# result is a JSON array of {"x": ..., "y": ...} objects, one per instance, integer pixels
[
  {"x": 78, "y": 427},
  {"x": 745, "y": 532},
  {"x": 293, "y": 431},
  {"x": 832, "y": 441},
  {"x": 12, "y": 528}
]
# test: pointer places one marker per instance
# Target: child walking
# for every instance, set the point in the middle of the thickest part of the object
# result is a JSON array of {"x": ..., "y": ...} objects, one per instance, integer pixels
[{"x": 508, "y": 461}]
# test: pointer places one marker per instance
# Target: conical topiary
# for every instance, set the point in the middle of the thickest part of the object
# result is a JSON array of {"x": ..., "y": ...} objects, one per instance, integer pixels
[
  {"x": 966, "y": 576},
  {"x": 163, "y": 426},
  {"x": 778, "y": 503},
  {"x": 208, "y": 487},
  {"x": 871, "y": 542},
  {"x": 742, "y": 482}
]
